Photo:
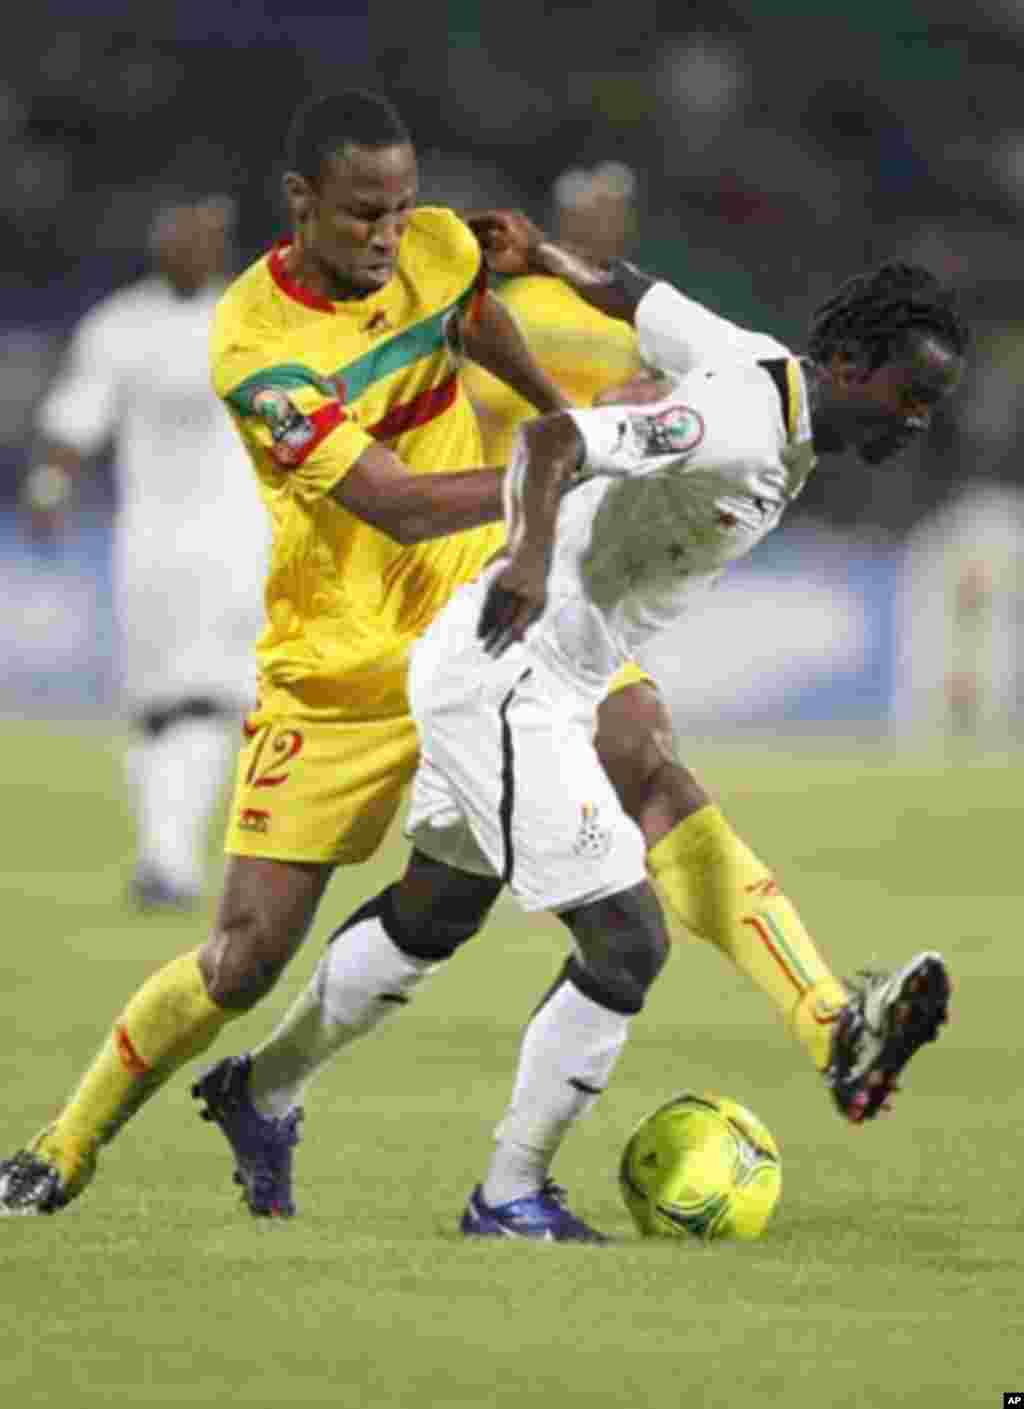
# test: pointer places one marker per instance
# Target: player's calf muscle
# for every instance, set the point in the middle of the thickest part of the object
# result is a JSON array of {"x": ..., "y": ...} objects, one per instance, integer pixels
[{"x": 265, "y": 913}]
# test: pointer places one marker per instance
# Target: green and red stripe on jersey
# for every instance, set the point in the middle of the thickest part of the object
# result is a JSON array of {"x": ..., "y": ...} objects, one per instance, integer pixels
[{"x": 395, "y": 354}]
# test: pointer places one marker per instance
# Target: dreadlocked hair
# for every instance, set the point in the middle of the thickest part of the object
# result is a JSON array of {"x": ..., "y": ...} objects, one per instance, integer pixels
[{"x": 877, "y": 309}]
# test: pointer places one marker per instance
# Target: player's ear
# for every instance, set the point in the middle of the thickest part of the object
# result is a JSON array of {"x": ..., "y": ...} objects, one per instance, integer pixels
[
  {"x": 847, "y": 366},
  {"x": 298, "y": 194}
]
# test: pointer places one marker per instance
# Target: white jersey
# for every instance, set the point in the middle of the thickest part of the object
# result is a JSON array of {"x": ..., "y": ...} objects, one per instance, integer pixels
[
  {"x": 509, "y": 783},
  {"x": 672, "y": 492},
  {"x": 191, "y": 535}
]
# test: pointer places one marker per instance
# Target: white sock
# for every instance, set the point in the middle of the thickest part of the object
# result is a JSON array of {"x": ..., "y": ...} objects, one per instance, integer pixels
[
  {"x": 361, "y": 979},
  {"x": 178, "y": 778},
  {"x": 567, "y": 1056}
]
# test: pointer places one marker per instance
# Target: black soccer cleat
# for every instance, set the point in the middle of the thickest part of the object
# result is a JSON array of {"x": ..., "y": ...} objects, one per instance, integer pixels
[
  {"x": 28, "y": 1185},
  {"x": 888, "y": 1017}
]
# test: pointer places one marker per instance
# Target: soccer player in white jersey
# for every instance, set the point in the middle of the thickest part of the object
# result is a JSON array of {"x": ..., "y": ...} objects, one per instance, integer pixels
[
  {"x": 619, "y": 517},
  {"x": 190, "y": 536}
]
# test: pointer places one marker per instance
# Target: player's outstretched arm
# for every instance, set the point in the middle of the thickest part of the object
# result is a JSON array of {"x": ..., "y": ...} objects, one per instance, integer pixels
[
  {"x": 512, "y": 244},
  {"x": 411, "y": 508},
  {"x": 547, "y": 456}
]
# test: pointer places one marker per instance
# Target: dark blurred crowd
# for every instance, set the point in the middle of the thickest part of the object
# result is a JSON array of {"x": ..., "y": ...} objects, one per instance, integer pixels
[{"x": 777, "y": 147}]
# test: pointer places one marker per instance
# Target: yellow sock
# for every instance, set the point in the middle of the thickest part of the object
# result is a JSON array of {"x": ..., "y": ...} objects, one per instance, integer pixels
[
  {"x": 170, "y": 1019},
  {"x": 712, "y": 882}
]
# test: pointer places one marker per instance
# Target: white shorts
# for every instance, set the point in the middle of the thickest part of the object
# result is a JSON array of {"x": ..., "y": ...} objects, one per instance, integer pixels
[{"x": 509, "y": 783}]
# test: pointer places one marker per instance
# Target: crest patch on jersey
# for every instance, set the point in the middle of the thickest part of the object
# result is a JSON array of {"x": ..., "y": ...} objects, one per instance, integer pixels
[
  {"x": 674, "y": 431},
  {"x": 594, "y": 839},
  {"x": 290, "y": 431}
]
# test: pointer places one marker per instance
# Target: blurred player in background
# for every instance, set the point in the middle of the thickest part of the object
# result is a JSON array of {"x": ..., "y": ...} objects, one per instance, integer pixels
[
  {"x": 960, "y": 619},
  {"x": 580, "y": 348},
  {"x": 188, "y": 609}
]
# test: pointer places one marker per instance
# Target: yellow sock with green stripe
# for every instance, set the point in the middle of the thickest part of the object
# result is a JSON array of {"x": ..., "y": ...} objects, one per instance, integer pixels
[
  {"x": 715, "y": 885},
  {"x": 169, "y": 1020}
]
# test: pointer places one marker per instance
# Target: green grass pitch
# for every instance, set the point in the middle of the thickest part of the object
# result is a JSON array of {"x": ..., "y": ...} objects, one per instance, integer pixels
[{"x": 891, "y": 1274}]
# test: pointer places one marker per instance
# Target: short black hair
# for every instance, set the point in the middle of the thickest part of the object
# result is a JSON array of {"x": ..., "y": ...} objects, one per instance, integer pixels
[
  {"x": 325, "y": 125},
  {"x": 875, "y": 312}
]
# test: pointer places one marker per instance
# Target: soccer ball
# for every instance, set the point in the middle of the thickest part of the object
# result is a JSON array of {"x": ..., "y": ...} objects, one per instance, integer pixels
[{"x": 702, "y": 1167}]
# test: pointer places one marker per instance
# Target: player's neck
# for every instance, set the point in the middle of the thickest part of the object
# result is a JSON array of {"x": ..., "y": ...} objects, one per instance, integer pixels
[{"x": 306, "y": 270}]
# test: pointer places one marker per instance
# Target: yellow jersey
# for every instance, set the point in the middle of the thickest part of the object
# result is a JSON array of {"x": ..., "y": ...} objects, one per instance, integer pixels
[
  {"x": 310, "y": 384},
  {"x": 582, "y": 351}
]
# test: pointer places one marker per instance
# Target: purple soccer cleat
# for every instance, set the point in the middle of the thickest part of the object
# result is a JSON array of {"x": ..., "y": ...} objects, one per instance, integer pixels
[
  {"x": 262, "y": 1145},
  {"x": 541, "y": 1217}
]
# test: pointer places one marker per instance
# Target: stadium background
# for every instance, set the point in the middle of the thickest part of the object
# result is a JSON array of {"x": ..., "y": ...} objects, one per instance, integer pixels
[{"x": 777, "y": 150}]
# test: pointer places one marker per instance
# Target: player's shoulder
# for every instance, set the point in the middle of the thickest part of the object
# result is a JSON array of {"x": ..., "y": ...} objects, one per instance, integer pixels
[
  {"x": 248, "y": 298},
  {"x": 440, "y": 249},
  {"x": 733, "y": 392},
  {"x": 245, "y": 316},
  {"x": 247, "y": 328}
]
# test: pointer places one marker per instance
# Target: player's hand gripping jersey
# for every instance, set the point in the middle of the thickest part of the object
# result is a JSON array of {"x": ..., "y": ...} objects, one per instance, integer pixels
[{"x": 311, "y": 384}]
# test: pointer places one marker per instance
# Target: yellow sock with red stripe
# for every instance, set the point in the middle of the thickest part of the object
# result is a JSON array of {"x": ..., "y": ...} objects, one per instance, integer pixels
[
  {"x": 169, "y": 1020},
  {"x": 715, "y": 885}
]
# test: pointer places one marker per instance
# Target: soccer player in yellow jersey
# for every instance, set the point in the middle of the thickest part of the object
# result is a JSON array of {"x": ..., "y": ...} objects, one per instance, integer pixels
[
  {"x": 338, "y": 355},
  {"x": 583, "y": 351}
]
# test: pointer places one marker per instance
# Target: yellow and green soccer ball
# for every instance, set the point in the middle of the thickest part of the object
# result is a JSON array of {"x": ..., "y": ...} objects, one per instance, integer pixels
[{"x": 702, "y": 1167}]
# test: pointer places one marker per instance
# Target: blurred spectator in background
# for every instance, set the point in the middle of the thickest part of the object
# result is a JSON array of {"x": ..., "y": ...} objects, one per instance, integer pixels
[
  {"x": 582, "y": 350},
  {"x": 136, "y": 373}
]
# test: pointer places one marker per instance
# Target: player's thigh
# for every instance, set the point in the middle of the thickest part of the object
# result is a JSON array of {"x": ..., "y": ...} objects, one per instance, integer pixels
[
  {"x": 320, "y": 791},
  {"x": 636, "y": 745}
]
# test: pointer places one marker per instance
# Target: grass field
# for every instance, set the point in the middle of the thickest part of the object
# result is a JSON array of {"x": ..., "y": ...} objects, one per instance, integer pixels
[{"x": 892, "y": 1273}]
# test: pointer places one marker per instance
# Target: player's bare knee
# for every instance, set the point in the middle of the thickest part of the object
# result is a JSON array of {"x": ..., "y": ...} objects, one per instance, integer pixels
[{"x": 622, "y": 947}]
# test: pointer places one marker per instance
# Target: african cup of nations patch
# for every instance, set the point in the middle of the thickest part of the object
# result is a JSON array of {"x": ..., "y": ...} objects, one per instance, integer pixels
[
  {"x": 292, "y": 434},
  {"x": 676, "y": 430}
]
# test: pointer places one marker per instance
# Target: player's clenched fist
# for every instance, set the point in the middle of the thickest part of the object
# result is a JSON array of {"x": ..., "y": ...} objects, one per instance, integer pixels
[
  {"x": 515, "y": 599},
  {"x": 508, "y": 239}
]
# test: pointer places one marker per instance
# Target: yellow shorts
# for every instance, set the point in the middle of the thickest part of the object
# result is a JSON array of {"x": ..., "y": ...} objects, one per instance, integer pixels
[{"x": 318, "y": 789}]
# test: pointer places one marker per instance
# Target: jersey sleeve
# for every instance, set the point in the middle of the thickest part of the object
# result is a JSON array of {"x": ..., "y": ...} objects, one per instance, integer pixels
[
  {"x": 292, "y": 420},
  {"x": 677, "y": 333},
  {"x": 624, "y": 441},
  {"x": 81, "y": 407}
]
